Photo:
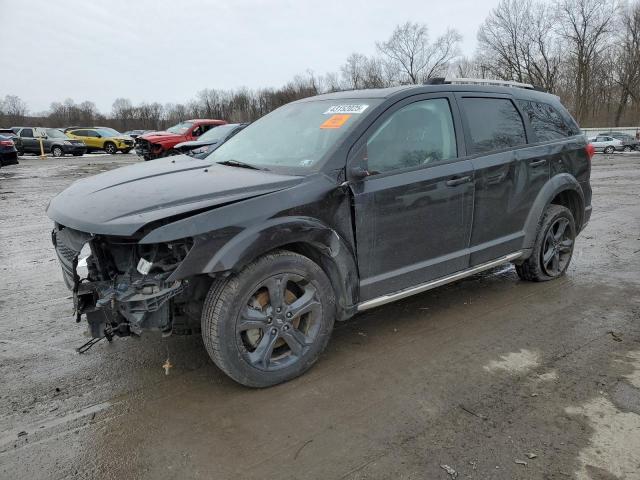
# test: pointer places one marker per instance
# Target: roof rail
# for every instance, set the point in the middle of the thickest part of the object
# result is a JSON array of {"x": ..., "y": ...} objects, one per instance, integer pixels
[{"x": 478, "y": 81}]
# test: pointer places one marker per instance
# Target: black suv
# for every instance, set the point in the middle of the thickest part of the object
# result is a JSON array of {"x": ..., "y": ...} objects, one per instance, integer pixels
[{"x": 325, "y": 207}]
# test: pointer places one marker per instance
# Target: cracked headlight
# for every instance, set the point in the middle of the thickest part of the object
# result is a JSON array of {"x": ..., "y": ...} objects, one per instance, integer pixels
[{"x": 82, "y": 270}]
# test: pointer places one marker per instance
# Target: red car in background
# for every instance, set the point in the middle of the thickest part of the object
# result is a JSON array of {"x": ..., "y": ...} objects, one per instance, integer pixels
[{"x": 154, "y": 145}]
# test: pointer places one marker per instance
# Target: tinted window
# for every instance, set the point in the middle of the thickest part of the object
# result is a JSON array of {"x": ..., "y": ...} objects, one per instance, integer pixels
[
  {"x": 421, "y": 133},
  {"x": 546, "y": 121},
  {"x": 91, "y": 133},
  {"x": 26, "y": 132},
  {"x": 494, "y": 124},
  {"x": 80, "y": 133}
]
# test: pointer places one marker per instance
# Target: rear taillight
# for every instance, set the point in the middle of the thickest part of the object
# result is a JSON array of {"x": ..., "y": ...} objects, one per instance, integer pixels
[
  {"x": 591, "y": 150},
  {"x": 6, "y": 143}
]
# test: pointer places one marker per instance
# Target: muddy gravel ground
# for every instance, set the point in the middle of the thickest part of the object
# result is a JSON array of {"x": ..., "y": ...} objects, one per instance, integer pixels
[{"x": 489, "y": 377}]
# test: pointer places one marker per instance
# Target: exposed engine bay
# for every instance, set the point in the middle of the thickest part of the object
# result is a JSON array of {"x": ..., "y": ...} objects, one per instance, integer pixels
[{"x": 123, "y": 287}]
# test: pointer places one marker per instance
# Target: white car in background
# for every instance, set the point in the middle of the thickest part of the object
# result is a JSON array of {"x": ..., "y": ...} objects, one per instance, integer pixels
[{"x": 606, "y": 144}]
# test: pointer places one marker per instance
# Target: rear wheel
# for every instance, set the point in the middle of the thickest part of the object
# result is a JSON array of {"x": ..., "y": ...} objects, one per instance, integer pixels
[
  {"x": 270, "y": 322},
  {"x": 627, "y": 148},
  {"x": 609, "y": 150},
  {"x": 110, "y": 148},
  {"x": 553, "y": 248},
  {"x": 57, "y": 151}
]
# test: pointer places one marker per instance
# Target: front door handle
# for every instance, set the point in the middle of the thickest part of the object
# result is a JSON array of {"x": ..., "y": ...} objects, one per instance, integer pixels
[
  {"x": 455, "y": 181},
  {"x": 538, "y": 163}
]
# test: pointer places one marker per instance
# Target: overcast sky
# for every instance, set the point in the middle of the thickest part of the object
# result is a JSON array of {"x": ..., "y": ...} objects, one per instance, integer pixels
[{"x": 166, "y": 51}]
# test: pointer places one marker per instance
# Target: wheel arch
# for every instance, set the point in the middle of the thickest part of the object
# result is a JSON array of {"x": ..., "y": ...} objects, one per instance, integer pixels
[
  {"x": 562, "y": 189},
  {"x": 303, "y": 235}
]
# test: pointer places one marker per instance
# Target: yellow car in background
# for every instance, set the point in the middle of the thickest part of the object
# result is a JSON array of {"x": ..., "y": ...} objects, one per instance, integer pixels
[{"x": 102, "y": 138}]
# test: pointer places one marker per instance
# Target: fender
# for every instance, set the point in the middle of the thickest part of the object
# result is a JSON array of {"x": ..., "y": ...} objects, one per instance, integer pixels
[
  {"x": 553, "y": 187},
  {"x": 316, "y": 239}
]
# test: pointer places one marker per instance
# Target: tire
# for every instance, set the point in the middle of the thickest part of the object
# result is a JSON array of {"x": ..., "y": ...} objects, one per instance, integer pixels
[
  {"x": 20, "y": 153},
  {"x": 627, "y": 148},
  {"x": 57, "y": 151},
  {"x": 110, "y": 148},
  {"x": 553, "y": 248},
  {"x": 267, "y": 346},
  {"x": 609, "y": 150},
  {"x": 126, "y": 150}
]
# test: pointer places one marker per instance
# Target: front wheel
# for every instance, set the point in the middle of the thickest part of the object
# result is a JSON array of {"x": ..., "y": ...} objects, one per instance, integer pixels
[
  {"x": 270, "y": 322},
  {"x": 627, "y": 148},
  {"x": 57, "y": 151},
  {"x": 110, "y": 148},
  {"x": 553, "y": 248},
  {"x": 609, "y": 150}
]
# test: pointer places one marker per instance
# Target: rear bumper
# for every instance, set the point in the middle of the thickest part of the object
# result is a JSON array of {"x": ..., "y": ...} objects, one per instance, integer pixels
[{"x": 9, "y": 158}]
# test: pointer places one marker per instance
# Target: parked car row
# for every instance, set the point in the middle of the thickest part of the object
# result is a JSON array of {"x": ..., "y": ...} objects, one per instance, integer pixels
[{"x": 196, "y": 138}]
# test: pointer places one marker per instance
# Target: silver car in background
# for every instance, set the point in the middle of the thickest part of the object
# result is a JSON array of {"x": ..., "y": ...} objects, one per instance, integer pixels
[{"x": 606, "y": 144}]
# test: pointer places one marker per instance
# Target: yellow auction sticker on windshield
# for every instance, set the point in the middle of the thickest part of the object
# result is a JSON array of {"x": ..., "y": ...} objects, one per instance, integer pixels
[{"x": 335, "y": 121}]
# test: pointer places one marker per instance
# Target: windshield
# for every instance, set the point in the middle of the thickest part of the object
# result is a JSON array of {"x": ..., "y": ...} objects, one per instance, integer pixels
[
  {"x": 54, "y": 133},
  {"x": 216, "y": 134},
  {"x": 295, "y": 135},
  {"x": 108, "y": 132},
  {"x": 180, "y": 128}
]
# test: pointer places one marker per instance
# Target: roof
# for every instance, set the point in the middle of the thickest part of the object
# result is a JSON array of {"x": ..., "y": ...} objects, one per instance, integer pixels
[{"x": 418, "y": 89}]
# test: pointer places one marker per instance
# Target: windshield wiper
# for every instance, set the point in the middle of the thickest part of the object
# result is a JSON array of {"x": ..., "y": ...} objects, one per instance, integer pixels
[{"x": 236, "y": 163}]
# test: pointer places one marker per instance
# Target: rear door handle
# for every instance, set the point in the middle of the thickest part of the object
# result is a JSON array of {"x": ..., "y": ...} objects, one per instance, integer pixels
[
  {"x": 538, "y": 163},
  {"x": 458, "y": 181}
]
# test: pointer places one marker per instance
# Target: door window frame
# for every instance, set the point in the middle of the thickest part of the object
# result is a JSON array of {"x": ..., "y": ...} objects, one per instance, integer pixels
[
  {"x": 356, "y": 148},
  {"x": 528, "y": 131}
]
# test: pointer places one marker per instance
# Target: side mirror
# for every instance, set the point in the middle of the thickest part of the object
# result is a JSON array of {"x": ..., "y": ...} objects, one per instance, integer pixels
[{"x": 358, "y": 173}]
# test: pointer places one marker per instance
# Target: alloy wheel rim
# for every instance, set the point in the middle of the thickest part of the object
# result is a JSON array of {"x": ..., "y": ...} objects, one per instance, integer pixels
[
  {"x": 279, "y": 322},
  {"x": 557, "y": 247}
]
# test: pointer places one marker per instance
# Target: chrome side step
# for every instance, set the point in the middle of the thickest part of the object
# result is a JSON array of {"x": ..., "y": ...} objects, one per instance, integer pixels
[{"x": 392, "y": 297}]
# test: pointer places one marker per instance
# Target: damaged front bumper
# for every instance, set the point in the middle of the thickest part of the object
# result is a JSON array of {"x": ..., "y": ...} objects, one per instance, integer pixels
[{"x": 120, "y": 291}]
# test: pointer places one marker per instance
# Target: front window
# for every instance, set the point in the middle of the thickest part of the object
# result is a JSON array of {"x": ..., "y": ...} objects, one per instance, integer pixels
[
  {"x": 297, "y": 135},
  {"x": 180, "y": 128},
  {"x": 108, "y": 132}
]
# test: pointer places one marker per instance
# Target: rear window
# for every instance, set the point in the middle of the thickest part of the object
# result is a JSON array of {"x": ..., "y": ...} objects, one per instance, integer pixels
[
  {"x": 493, "y": 124},
  {"x": 26, "y": 132},
  {"x": 546, "y": 121}
]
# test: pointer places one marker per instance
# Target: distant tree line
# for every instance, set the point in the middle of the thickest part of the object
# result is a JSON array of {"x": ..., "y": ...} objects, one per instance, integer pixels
[{"x": 585, "y": 51}]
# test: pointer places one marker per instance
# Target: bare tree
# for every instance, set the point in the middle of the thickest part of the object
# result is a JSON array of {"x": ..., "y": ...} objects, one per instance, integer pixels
[
  {"x": 627, "y": 65},
  {"x": 409, "y": 51},
  {"x": 14, "y": 109},
  {"x": 586, "y": 25},
  {"x": 516, "y": 42}
]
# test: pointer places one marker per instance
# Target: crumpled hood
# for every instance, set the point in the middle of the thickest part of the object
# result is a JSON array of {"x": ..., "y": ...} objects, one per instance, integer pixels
[
  {"x": 160, "y": 137},
  {"x": 122, "y": 201}
]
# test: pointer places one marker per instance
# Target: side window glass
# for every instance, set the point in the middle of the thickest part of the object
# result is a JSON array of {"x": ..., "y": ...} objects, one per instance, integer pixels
[
  {"x": 421, "y": 133},
  {"x": 546, "y": 121},
  {"x": 80, "y": 133},
  {"x": 494, "y": 124},
  {"x": 26, "y": 132}
]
